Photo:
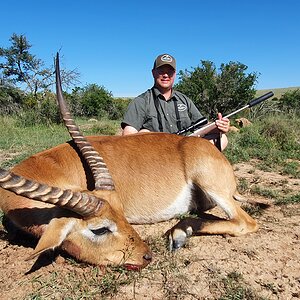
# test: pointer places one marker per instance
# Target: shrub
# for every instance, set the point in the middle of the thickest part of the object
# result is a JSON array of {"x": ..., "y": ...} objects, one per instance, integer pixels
[
  {"x": 290, "y": 102},
  {"x": 214, "y": 91},
  {"x": 11, "y": 100},
  {"x": 40, "y": 109},
  {"x": 120, "y": 106},
  {"x": 282, "y": 131},
  {"x": 273, "y": 140},
  {"x": 95, "y": 101}
]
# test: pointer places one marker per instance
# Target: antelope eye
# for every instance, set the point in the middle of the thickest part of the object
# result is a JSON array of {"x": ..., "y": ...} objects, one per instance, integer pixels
[{"x": 100, "y": 231}]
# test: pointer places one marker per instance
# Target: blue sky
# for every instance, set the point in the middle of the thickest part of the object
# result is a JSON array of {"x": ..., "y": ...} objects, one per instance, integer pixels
[{"x": 114, "y": 43}]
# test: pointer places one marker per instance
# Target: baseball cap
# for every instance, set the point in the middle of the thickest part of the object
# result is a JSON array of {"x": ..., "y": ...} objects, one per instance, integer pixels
[{"x": 164, "y": 59}]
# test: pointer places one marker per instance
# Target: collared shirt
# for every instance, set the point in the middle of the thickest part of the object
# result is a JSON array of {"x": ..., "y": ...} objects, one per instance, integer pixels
[{"x": 144, "y": 113}]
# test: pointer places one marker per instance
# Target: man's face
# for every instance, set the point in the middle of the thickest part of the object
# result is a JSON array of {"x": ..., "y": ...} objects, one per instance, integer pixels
[{"x": 164, "y": 77}]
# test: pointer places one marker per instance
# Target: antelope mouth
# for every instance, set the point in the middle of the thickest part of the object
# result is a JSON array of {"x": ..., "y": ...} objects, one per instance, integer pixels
[
  {"x": 131, "y": 267},
  {"x": 134, "y": 267}
]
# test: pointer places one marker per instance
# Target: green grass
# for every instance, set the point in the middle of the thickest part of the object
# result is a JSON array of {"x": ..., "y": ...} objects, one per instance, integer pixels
[
  {"x": 273, "y": 141},
  {"x": 236, "y": 289},
  {"x": 81, "y": 283},
  {"x": 21, "y": 142},
  {"x": 290, "y": 199}
]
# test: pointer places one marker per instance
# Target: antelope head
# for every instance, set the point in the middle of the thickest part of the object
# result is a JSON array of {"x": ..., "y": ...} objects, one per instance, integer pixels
[{"x": 93, "y": 231}]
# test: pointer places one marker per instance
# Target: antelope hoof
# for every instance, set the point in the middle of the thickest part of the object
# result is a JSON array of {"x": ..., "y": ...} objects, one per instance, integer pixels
[{"x": 178, "y": 237}]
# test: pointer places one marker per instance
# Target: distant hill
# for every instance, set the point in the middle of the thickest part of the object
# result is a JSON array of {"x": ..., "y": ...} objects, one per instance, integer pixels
[{"x": 278, "y": 92}]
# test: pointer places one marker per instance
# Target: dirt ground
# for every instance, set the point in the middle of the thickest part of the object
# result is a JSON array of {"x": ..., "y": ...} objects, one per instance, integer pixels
[{"x": 264, "y": 265}]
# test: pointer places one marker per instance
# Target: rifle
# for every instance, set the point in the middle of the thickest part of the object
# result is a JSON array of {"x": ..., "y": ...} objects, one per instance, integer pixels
[{"x": 211, "y": 126}]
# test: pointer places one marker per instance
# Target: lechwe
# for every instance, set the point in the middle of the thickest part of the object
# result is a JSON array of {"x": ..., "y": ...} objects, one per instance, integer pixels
[{"x": 82, "y": 195}]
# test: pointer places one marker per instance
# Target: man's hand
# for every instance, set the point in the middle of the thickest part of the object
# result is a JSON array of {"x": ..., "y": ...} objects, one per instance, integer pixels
[
  {"x": 222, "y": 123},
  {"x": 131, "y": 130}
]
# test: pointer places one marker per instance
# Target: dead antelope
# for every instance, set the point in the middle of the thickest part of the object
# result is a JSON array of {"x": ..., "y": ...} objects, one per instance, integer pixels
[{"x": 82, "y": 195}]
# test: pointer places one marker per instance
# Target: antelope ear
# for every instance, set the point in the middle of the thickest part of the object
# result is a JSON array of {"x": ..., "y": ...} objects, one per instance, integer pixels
[{"x": 57, "y": 230}]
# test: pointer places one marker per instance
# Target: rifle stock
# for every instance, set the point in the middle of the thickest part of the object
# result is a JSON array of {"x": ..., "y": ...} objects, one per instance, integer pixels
[{"x": 212, "y": 126}]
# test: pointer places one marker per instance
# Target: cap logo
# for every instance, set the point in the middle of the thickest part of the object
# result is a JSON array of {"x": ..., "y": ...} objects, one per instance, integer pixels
[{"x": 166, "y": 58}]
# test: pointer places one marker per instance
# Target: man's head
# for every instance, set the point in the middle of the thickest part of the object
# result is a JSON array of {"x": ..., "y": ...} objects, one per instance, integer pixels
[
  {"x": 164, "y": 72},
  {"x": 164, "y": 59}
]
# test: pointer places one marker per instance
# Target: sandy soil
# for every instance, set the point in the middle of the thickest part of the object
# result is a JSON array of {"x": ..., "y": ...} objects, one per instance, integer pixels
[{"x": 264, "y": 265}]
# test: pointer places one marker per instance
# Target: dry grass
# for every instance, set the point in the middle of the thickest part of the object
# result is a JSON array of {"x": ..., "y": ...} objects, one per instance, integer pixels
[{"x": 278, "y": 92}]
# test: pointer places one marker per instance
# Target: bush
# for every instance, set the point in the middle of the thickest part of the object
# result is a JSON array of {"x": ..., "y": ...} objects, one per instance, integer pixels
[
  {"x": 39, "y": 109},
  {"x": 281, "y": 131},
  {"x": 273, "y": 140},
  {"x": 290, "y": 102},
  {"x": 120, "y": 107},
  {"x": 11, "y": 100},
  {"x": 95, "y": 101},
  {"x": 214, "y": 91}
]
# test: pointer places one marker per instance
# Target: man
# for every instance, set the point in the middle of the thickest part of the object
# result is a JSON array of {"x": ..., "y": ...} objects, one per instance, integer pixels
[{"x": 163, "y": 109}]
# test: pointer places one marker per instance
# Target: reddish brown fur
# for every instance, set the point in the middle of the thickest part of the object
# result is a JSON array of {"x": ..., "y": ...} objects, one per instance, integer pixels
[{"x": 150, "y": 172}]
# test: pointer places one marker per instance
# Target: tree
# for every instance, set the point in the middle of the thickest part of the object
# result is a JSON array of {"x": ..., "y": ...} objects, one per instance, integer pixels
[
  {"x": 20, "y": 67},
  {"x": 290, "y": 102},
  {"x": 92, "y": 101},
  {"x": 214, "y": 91}
]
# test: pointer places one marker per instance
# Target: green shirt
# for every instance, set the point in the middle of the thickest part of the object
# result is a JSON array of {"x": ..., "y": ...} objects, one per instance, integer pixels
[{"x": 150, "y": 109}]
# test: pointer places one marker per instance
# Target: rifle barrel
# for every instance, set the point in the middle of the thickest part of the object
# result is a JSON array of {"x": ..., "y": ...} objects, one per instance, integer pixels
[
  {"x": 205, "y": 129},
  {"x": 252, "y": 103}
]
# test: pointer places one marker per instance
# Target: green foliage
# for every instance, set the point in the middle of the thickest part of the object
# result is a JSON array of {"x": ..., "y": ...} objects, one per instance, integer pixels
[
  {"x": 74, "y": 101},
  {"x": 120, "y": 106},
  {"x": 236, "y": 289},
  {"x": 95, "y": 101},
  {"x": 292, "y": 168},
  {"x": 11, "y": 99},
  {"x": 104, "y": 127},
  {"x": 17, "y": 58},
  {"x": 290, "y": 102},
  {"x": 214, "y": 91},
  {"x": 39, "y": 109},
  {"x": 265, "y": 192},
  {"x": 282, "y": 132},
  {"x": 19, "y": 142},
  {"x": 22, "y": 67},
  {"x": 274, "y": 141},
  {"x": 291, "y": 199},
  {"x": 81, "y": 282}
]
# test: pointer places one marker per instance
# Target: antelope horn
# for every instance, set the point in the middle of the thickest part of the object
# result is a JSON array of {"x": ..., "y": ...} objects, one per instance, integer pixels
[
  {"x": 102, "y": 177},
  {"x": 80, "y": 203}
]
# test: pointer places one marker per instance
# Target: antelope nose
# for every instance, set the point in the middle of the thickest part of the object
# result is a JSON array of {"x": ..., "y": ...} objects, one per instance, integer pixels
[{"x": 148, "y": 256}]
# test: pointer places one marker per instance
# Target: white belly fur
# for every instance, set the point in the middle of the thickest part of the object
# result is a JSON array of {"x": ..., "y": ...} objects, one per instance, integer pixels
[{"x": 179, "y": 206}]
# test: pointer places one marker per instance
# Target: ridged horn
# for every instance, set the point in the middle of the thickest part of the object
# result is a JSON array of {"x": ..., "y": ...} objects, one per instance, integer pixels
[
  {"x": 102, "y": 177},
  {"x": 80, "y": 203}
]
